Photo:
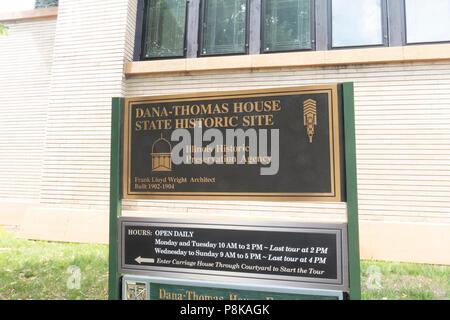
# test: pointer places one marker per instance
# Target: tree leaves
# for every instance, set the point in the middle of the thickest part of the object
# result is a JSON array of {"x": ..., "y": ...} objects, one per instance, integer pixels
[
  {"x": 3, "y": 30},
  {"x": 45, "y": 3}
]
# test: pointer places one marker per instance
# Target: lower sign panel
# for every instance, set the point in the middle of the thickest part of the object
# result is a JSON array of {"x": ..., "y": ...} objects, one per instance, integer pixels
[
  {"x": 144, "y": 288},
  {"x": 310, "y": 256}
]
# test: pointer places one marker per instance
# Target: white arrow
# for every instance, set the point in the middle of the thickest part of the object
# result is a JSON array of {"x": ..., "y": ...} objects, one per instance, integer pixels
[{"x": 144, "y": 260}]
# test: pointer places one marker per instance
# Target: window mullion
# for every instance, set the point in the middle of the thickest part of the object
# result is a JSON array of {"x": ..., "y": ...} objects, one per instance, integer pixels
[
  {"x": 254, "y": 40},
  {"x": 192, "y": 28},
  {"x": 321, "y": 33},
  {"x": 396, "y": 22}
]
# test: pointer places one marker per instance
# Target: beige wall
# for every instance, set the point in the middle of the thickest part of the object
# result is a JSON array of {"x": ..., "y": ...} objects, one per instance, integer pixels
[
  {"x": 25, "y": 66},
  {"x": 402, "y": 127},
  {"x": 54, "y": 169},
  {"x": 87, "y": 71}
]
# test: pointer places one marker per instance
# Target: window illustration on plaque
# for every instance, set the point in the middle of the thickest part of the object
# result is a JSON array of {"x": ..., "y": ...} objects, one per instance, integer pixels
[{"x": 161, "y": 155}]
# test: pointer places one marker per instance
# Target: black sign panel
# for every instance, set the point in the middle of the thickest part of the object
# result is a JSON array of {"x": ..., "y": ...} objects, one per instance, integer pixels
[
  {"x": 279, "y": 144},
  {"x": 275, "y": 253}
]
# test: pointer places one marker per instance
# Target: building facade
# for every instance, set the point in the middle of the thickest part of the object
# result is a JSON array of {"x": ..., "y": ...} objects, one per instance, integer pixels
[{"x": 60, "y": 67}]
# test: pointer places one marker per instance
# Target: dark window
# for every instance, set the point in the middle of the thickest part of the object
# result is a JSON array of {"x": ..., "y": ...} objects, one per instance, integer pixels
[
  {"x": 427, "y": 21},
  {"x": 224, "y": 27},
  {"x": 357, "y": 23},
  {"x": 287, "y": 25},
  {"x": 164, "y": 33}
]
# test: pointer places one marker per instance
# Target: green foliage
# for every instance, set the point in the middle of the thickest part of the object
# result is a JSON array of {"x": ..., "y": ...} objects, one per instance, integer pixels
[
  {"x": 404, "y": 281},
  {"x": 3, "y": 30},
  {"x": 41, "y": 270},
  {"x": 45, "y": 3}
]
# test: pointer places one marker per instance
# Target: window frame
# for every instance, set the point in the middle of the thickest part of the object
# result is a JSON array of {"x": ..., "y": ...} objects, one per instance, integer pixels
[
  {"x": 201, "y": 18},
  {"x": 384, "y": 31},
  {"x": 405, "y": 26},
  {"x": 145, "y": 30},
  {"x": 312, "y": 30}
]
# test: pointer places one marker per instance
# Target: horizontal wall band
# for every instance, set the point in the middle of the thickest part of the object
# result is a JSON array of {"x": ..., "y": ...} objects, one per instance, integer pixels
[
  {"x": 419, "y": 53},
  {"x": 45, "y": 13}
]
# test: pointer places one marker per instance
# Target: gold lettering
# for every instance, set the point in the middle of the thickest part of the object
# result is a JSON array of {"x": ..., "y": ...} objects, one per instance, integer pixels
[
  {"x": 210, "y": 122},
  {"x": 257, "y": 106},
  {"x": 200, "y": 109},
  {"x": 162, "y": 293},
  {"x": 152, "y": 112},
  {"x": 233, "y": 296},
  {"x": 276, "y": 105},
  {"x": 138, "y": 126},
  {"x": 148, "y": 125},
  {"x": 139, "y": 113},
  {"x": 258, "y": 121}
]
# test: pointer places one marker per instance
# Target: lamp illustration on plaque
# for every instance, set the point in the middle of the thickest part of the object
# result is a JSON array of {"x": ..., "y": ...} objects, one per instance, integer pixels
[
  {"x": 161, "y": 155},
  {"x": 310, "y": 118}
]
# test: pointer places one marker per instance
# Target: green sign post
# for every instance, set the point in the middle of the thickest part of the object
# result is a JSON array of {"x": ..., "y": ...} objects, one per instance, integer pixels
[
  {"x": 354, "y": 266},
  {"x": 349, "y": 178}
]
